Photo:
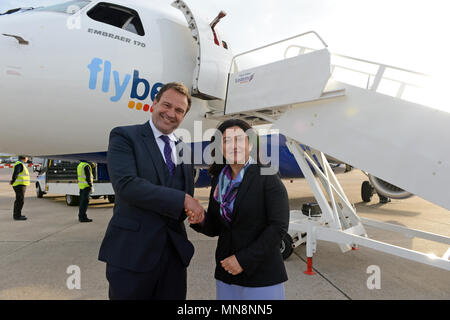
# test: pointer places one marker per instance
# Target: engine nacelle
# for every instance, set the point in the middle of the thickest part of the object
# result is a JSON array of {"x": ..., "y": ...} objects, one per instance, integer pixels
[{"x": 388, "y": 190}]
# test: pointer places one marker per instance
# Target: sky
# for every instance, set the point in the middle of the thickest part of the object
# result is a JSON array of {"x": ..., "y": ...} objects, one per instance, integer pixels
[{"x": 409, "y": 34}]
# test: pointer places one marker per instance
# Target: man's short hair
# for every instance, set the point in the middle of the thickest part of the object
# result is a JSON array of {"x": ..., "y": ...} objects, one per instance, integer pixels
[
  {"x": 22, "y": 157},
  {"x": 179, "y": 87}
]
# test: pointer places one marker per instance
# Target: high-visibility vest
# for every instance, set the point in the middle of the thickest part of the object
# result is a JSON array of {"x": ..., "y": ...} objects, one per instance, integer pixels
[
  {"x": 23, "y": 179},
  {"x": 82, "y": 181}
]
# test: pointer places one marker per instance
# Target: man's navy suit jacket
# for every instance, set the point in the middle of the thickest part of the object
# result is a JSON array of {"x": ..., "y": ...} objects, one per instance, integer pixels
[{"x": 147, "y": 213}]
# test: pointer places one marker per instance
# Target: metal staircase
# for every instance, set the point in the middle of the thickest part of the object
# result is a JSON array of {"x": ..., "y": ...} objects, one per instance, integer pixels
[{"x": 360, "y": 125}]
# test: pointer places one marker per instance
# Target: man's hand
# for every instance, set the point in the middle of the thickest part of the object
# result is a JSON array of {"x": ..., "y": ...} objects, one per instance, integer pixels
[
  {"x": 231, "y": 264},
  {"x": 194, "y": 209},
  {"x": 11, "y": 182}
]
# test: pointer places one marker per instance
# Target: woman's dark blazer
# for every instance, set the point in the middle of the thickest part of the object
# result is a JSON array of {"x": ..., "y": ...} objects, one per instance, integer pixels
[{"x": 261, "y": 219}]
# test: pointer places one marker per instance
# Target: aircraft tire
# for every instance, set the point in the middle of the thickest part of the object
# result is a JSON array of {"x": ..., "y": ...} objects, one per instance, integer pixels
[{"x": 366, "y": 191}]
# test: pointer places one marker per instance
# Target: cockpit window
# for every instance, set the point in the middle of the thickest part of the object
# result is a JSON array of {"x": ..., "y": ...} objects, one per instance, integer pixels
[
  {"x": 69, "y": 7},
  {"x": 118, "y": 16}
]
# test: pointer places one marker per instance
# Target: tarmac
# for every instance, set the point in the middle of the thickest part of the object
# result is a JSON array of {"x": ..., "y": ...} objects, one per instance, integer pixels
[{"x": 36, "y": 255}]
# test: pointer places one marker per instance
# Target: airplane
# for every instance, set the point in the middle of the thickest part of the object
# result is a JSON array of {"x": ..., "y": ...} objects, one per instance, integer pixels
[
  {"x": 97, "y": 86},
  {"x": 84, "y": 67}
]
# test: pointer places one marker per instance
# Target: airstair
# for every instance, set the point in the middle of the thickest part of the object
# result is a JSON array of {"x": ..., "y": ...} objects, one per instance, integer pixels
[{"x": 370, "y": 126}]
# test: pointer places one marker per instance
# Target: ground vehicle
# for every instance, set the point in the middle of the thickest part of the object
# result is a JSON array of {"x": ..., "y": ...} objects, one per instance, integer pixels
[{"x": 60, "y": 177}]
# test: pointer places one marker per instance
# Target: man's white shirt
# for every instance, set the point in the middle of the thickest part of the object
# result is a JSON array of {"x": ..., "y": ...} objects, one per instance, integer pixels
[{"x": 161, "y": 143}]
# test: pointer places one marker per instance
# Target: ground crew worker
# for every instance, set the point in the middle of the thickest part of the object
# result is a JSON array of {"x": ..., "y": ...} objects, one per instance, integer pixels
[
  {"x": 85, "y": 182},
  {"x": 19, "y": 181}
]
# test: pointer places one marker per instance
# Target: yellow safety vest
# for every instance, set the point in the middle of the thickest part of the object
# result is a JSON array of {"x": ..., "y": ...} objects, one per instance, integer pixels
[
  {"x": 82, "y": 182},
  {"x": 23, "y": 179}
]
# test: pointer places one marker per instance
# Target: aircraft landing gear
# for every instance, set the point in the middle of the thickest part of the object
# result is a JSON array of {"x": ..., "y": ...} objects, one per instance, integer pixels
[{"x": 367, "y": 191}]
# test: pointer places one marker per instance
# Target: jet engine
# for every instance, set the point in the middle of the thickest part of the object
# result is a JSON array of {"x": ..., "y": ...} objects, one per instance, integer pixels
[{"x": 383, "y": 188}]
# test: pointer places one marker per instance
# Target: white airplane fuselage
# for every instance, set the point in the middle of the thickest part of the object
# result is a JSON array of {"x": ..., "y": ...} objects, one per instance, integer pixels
[{"x": 74, "y": 81}]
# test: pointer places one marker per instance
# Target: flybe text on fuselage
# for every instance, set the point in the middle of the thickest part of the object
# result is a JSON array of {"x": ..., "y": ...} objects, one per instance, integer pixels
[{"x": 121, "y": 83}]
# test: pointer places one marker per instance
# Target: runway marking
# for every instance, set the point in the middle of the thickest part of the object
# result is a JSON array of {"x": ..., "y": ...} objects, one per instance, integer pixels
[{"x": 327, "y": 280}]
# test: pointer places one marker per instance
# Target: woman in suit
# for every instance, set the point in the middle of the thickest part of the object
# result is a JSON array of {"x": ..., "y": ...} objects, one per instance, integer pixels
[{"x": 249, "y": 212}]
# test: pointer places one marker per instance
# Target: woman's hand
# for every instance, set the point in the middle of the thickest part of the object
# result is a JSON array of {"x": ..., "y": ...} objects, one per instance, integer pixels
[
  {"x": 194, "y": 219},
  {"x": 231, "y": 264}
]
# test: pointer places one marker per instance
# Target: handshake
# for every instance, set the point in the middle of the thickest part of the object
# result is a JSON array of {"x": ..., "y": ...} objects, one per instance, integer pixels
[{"x": 194, "y": 210}]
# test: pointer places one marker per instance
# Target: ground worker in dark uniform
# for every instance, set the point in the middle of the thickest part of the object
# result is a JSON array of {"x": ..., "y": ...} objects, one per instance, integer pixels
[
  {"x": 19, "y": 181},
  {"x": 85, "y": 182}
]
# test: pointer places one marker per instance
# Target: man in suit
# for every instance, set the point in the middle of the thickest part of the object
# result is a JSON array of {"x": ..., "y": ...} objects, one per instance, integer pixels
[{"x": 145, "y": 246}]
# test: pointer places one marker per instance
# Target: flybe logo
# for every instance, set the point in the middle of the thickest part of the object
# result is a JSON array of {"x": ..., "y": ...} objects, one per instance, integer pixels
[{"x": 140, "y": 88}]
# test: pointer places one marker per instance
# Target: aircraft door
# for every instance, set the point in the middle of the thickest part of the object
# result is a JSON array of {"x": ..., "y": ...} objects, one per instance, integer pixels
[{"x": 213, "y": 56}]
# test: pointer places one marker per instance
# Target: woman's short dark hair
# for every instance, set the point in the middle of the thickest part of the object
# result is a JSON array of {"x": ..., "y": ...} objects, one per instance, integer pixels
[{"x": 215, "y": 168}]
